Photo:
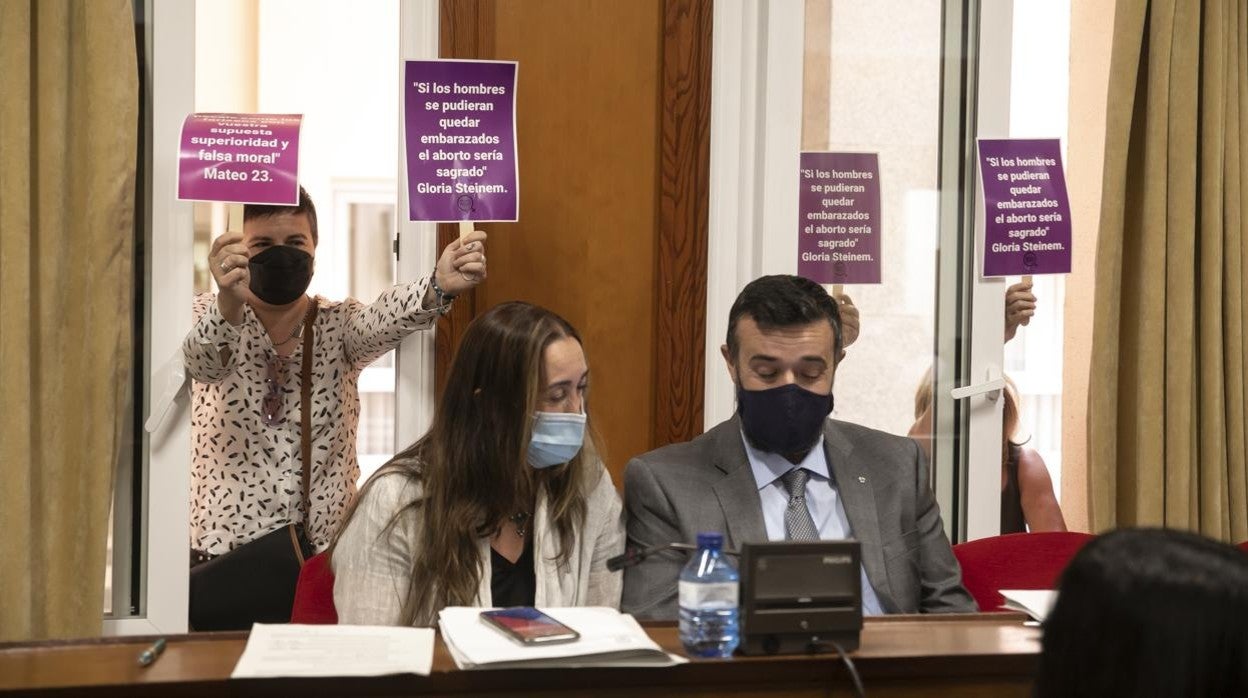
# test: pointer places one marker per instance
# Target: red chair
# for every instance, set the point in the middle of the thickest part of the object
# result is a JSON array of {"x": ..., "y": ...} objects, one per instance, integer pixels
[
  {"x": 1244, "y": 546},
  {"x": 1015, "y": 561},
  {"x": 314, "y": 594}
]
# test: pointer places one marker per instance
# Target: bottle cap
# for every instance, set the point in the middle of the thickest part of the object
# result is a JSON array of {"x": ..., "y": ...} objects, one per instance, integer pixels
[{"x": 710, "y": 539}]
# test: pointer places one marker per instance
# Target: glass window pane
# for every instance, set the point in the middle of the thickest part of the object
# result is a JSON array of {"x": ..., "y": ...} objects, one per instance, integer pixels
[
  {"x": 371, "y": 226},
  {"x": 335, "y": 62},
  {"x": 882, "y": 95},
  {"x": 1040, "y": 86}
]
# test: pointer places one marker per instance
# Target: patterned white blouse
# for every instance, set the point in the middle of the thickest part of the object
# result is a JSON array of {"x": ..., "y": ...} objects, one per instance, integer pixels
[{"x": 246, "y": 475}]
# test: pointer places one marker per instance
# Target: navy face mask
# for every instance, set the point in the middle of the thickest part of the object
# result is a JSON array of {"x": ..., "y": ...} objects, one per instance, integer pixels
[
  {"x": 280, "y": 274},
  {"x": 786, "y": 420}
]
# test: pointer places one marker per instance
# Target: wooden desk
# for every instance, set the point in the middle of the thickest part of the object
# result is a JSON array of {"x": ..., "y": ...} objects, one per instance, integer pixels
[{"x": 955, "y": 656}]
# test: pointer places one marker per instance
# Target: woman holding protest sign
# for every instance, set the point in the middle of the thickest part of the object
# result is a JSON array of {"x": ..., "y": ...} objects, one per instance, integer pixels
[{"x": 276, "y": 405}]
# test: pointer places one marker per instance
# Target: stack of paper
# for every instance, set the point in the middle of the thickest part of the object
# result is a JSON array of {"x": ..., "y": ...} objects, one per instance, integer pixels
[
  {"x": 334, "y": 650},
  {"x": 608, "y": 638},
  {"x": 1034, "y": 602}
]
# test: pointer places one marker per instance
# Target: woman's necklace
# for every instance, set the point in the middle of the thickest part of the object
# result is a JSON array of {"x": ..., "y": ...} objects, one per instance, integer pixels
[
  {"x": 521, "y": 522},
  {"x": 293, "y": 333},
  {"x": 296, "y": 332}
]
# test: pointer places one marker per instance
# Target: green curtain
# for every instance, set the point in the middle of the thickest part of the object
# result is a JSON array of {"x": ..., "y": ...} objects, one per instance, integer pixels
[{"x": 68, "y": 139}]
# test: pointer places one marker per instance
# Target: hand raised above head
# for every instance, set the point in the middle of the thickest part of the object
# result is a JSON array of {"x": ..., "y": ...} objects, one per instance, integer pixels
[
  {"x": 851, "y": 320},
  {"x": 228, "y": 261},
  {"x": 462, "y": 264},
  {"x": 1020, "y": 306}
]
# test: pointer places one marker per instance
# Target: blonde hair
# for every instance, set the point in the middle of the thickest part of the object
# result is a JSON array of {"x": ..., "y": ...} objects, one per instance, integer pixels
[
  {"x": 472, "y": 462},
  {"x": 1010, "y": 417}
]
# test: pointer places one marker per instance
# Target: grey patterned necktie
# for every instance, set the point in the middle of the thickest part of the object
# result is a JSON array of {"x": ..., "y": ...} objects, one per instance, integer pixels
[{"x": 797, "y": 522}]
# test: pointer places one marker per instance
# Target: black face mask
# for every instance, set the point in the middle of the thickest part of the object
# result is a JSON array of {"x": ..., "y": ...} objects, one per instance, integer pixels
[
  {"x": 280, "y": 274},
  {"x": 786, "y": 420}
]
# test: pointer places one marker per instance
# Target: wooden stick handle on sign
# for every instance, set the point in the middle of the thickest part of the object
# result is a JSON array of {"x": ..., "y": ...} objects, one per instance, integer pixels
[
  {"x": 465, "y": 227},
  {"x": 837, "y": 289},
  {"x": 1027, "y": 280},
  {"x": 234, "y": 218}
]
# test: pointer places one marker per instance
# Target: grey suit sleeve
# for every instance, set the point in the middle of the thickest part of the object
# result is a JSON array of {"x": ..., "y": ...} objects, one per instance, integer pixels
[
  {"x": 650, "y": 587},
  {"x": 942, "y": 590}
]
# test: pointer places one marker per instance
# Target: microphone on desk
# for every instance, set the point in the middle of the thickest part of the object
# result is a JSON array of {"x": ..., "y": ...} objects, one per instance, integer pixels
[{"x": 634, "y": 555}]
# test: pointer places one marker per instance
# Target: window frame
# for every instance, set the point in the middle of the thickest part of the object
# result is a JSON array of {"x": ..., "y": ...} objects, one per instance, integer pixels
[
  {"x": 755, "y": 129},
  {"x": 164, "y": 470},
  {"x": 162, "y": 562}
]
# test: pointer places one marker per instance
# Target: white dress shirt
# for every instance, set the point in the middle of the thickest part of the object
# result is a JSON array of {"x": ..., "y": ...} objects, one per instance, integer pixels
[{"x": 822, "y": 500}]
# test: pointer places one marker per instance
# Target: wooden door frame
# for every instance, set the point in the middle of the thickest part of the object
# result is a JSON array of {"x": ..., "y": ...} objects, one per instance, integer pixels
[{"x": 466, "y": 30}]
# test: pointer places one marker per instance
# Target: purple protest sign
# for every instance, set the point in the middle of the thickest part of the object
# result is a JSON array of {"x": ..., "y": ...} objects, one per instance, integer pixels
[
  {"x": 460, "y": 125},
  {"x": 241, "y": 158},
  {"x": 839, "y": 218},
  {"x": 1026, "y": 208}
]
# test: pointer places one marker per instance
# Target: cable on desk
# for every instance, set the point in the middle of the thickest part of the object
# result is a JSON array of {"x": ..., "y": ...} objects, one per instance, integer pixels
[{"x": 859, "y": 691}]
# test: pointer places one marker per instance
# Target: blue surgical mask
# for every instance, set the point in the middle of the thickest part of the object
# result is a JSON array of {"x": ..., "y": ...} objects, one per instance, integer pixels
[{"x": 557, "y": 438}]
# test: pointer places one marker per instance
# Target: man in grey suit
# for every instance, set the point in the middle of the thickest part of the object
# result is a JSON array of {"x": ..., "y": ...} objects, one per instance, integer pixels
[{"x": 781, "y": 470}]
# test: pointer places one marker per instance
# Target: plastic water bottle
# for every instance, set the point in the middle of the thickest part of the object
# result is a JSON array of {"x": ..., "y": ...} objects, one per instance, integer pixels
[{"x": 709, "y": 589}]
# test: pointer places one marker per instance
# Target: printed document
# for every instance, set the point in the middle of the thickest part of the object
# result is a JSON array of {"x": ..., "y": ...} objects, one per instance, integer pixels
[
  {"x": 1034, "y": 602},
  {"x": 334, "y": 650}
]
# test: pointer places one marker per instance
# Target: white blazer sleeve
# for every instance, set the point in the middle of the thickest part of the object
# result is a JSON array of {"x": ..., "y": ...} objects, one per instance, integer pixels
[
  {"x": 607, "y": 537},
  {"x": 373, "y": 559}
]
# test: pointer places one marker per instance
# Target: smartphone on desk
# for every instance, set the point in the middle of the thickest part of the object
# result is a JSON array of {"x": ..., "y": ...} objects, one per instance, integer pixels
[{"x": 529, "y": 626}]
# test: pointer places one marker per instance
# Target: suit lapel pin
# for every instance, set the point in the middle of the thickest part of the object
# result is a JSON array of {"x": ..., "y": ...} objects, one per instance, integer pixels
[{"x": 862, "y": 479}]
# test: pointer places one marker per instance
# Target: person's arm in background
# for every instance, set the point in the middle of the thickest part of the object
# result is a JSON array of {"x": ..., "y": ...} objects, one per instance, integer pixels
[
  {"x": 1035, "y": 488},
  {"x": 210, "y": 350},
  {"x": 406, "y": 308},
  {"x": 1040, "y": 507},
  {"x": 1020, "y": 306}
]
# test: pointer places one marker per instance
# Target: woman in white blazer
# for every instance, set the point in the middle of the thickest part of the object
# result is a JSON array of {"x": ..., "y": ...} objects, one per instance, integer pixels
[{"x": 503, "y": 502}]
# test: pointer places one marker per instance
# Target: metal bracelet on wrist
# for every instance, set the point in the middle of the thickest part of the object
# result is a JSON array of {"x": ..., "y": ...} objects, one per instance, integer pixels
[{"x": 443, "y": 297}]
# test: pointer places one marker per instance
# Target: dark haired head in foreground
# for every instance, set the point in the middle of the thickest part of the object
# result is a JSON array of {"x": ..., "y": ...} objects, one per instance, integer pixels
[{"x": 1149, "y": 612}]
